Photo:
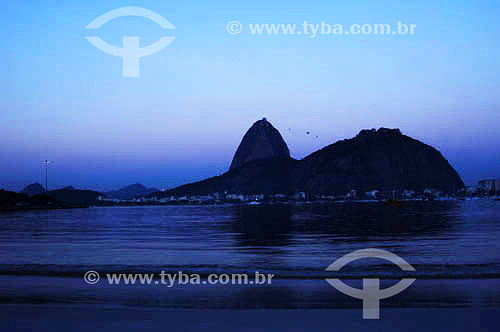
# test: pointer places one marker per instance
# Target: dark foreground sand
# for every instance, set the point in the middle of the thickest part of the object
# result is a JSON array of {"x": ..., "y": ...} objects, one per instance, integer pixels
[
  {"x": 35, "y": 303},
  {"x": 87, "y": 318}
]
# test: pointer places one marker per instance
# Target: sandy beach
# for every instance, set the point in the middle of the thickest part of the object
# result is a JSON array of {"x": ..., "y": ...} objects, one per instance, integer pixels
[
  {"x": 58, "y": 304},
  {"x": 90, "y": 318}
]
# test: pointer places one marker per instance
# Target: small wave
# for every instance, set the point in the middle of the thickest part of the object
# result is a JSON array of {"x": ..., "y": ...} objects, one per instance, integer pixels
[{"x": 470, "y": 271}]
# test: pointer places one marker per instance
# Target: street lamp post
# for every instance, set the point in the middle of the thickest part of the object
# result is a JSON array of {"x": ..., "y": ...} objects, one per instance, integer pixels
[{"x": 46, "y": 163}]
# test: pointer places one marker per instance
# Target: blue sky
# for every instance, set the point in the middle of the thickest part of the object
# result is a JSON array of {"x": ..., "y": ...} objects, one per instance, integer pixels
[{"x": 183, "y": 118}]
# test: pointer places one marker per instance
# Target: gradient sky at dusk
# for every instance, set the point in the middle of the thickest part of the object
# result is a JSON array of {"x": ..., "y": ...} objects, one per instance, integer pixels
[{"x": 183, "y": 118}]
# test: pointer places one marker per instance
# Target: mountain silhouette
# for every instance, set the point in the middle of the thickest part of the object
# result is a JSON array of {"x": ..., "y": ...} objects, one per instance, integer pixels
[
  {"x": 261, "y": 141},
  {"x": 382, "y": 159},
  {"x": 33, "y": 189},
  {"x": 130, "y": 192}
]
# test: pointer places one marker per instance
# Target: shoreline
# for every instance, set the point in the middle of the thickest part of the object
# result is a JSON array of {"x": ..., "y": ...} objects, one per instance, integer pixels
[
  {"x": 38, "y": 208},
  {"x": 389, "y": 203},
  {"x": 280, "y": 294}
]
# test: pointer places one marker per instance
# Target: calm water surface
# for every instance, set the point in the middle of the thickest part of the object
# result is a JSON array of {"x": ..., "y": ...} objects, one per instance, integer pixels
[{"x": 454, "y": 239}]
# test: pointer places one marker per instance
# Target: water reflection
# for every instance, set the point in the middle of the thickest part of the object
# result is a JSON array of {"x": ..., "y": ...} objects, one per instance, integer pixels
[
  {"x": 277, "y": 225},
  {"x": 364, "y": 222},
  {"x": 269, "y": 225}
]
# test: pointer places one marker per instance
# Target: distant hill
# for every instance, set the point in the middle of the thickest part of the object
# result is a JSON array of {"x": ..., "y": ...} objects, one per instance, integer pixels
[
  {"x": 66, "y": 195},
  {"x": 10, "y": 200},
  {"x": 74, "y": 196},
  {"x": 382, "y": 159},
  {"x": 130, "y": 192},
  {"x": 33, "y": 189},
  {"x": 266, "y": 176}
]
